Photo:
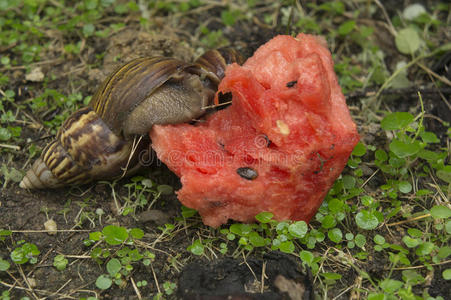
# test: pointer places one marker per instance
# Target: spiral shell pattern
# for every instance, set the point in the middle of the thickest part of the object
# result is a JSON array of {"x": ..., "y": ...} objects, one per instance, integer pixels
[
  {"x": 84, "y": 149},
  {"x": 98, "y": 142}
]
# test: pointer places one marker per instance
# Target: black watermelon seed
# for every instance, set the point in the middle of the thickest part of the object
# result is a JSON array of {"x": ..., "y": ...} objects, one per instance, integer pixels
[
  {"x": 247, "y": 173},
  {"x": 291, "y": 83}
]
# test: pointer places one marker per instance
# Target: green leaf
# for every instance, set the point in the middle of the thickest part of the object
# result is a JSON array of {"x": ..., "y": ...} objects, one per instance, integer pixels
[
  {"x": 336, "y": 7},
  {"x": 359, "y": 149},
  {"x": 407, "y": 41},
  {"x": 25, "y": 253},
  {"x": 423, "y": 192},
  {"x": 403, "y": 149},
  {"x": 391, "y": 285},
  {"x": 448, "y": 226},
  {"x": 445, "y": 174},
  {"x": 91, "y": 4},
  {"x": 95, "y": 236},
  {"x": 123, "y": 251},
  {"x": 264, "y": 217},
  {"x": 329, "y": 275},
  {"x": 229, "y": 17},
  {"x": 121, "y": 9},
  {"x": 88, "y": 29},
  {"x": 379, "y": 239},
  {"x": 366, "y": 220},
  {"x": 115, "y": 235},
  {"x": 335, "y": 235},
  {"x": 412, "y": 277},
  {"x": 376, "y": 296},
  {"x": 380, "y": 155},
  {"x": 188, "y": 212},
  {"x": 446, "y": 274},
  {"x": 367, "y": 200},
  {"x": 444, "y": 252},
  {"x": 406, "y": 294},
  {"x": 429, "y": 137},
  {"x": 346, "y": 27},
  {"x": 446, "y": 47},
  {"x": 431, "y": 156},
  {"x": 318, "y": 235},
  {"x": 360, "y": 240},
  {"x": 298, "y": 229},
  {"x": 396, "y": 162},
  {"x": 4, "y": 232},
  {"x": 5, "y": 60},
  {"x": 401, "y": 79},
  {"x": 10, "y": 94},
  {"x": 405, "y": 187},
  {"x": 60, "y": 262},
  {"x": 425, "y": 249},
  {"x": 4, "y": 265},
  {"x": 256, "y": 240},
  {"x": 410, "y": 242},
  {"x": 15, "y": 175},
  {"x": 241, "y": 229},
  {"x": 103, "y": 282},
  {"x": 328, "y": 222},
  {"x": 231, "y": 236},
  {"x": 348, "y": 182},
  {"x": 287, "y": 247},
  {"x": 113, "y": 266},
  {"x": 96, "y": 252},
  {"x": 416, "y": 233},
  {"x": 440, "y": 212},
  {"x": 147, "y": 183},
  {"x": 165, "y": 189},
  {"x": 335, "y": 205},
  {"x": 135, "y": 255},
  {"x": 413, "y": 11},
  {"x": 4, "y": 134},
  {"x": 399, "y": 248},
  {"x": 136, "y": 233},
  {"x": 307, "y": 257},
  {"x": 396, "y": 121},
  {"x": 196, "y": 248}
]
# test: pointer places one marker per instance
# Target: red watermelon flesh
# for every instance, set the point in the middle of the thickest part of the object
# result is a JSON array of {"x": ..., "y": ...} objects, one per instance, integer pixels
[{"x": 280, "y": 145}]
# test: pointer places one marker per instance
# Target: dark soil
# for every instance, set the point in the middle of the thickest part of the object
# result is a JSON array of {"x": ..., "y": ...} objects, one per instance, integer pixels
[{"x": 232, "y": 279}]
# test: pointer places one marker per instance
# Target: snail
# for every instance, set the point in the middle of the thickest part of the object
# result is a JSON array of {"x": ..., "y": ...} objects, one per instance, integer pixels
[{"x": 103, "y": 140}]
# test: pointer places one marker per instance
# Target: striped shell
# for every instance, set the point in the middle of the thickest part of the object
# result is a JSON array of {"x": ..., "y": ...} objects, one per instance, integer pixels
[
  {"x": 100, "y": 141},
  {"x": 85, "y": 149}
]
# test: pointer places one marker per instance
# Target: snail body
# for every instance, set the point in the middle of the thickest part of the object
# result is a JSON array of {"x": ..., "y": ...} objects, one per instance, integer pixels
[{"x": 99, "y": 142}]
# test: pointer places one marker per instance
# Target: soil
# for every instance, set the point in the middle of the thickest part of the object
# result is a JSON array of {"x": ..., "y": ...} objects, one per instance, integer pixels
[
  {"x": 231, "y": 279},
  {"x": 73, "y": 209}
]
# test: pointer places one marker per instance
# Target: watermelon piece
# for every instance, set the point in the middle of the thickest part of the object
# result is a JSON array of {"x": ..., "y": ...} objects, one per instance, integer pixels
[{"x": 279, "y": 147}]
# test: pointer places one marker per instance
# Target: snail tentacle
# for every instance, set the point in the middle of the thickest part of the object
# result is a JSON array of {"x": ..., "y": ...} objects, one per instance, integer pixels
[{"x": 98, "y": 142}]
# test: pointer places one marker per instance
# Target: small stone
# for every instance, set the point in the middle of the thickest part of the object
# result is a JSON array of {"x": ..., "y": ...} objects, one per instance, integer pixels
[
  {"x": 51, "y": 226},
  {"x": 295, "y": 290},
  {"x": 31, "y": 282},
  {"x": 35, "y": 75}
]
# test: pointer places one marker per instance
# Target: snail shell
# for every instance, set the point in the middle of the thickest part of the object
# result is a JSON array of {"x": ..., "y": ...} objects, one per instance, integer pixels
[{"x": 100, "y": 141}]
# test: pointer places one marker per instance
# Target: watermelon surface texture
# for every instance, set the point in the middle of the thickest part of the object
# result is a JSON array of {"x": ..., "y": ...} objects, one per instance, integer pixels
[{"x": 279, "y": 147}]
